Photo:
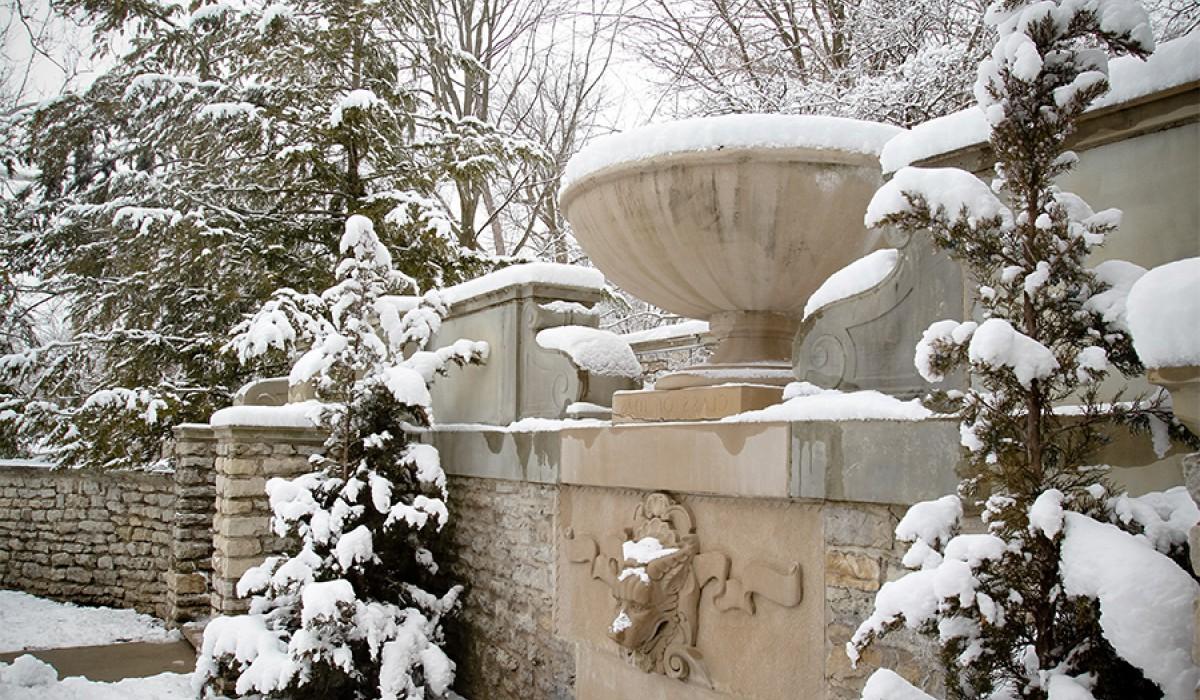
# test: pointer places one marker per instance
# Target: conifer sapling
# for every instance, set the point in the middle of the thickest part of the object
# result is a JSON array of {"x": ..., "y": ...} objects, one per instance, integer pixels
[
  {"x": 1042, "y": 604},
  {"x": 355, "y": 611}
]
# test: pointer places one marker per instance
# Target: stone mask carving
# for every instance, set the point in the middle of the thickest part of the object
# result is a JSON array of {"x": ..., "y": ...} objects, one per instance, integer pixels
[
  {"x": 656, "y": 573},
  {"x": 655, "y": 623}
]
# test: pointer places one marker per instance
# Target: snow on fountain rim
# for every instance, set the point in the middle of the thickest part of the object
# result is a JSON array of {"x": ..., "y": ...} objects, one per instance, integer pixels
[{"x": 728, "y": 132}]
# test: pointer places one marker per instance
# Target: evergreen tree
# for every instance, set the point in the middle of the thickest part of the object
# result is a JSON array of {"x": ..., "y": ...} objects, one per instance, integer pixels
[
  {"x": 1016, "y": 612},
  {"x": 213, "y": 164},
  {"x": 355, "y": 611}
]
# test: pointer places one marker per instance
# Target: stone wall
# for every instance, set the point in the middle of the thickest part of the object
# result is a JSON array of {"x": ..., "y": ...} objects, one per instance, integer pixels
[
  {"x": 92, "y": 538},
  {"x": 246, "y": 458},
  {"x": 860, "y": 556},
  {"x": 501, "y": 545},
  {"x": 194, "y": 453}
]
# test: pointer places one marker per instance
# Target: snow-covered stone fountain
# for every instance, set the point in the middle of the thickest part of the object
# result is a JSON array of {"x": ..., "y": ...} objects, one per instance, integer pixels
[{"x": 734, "y": 219}]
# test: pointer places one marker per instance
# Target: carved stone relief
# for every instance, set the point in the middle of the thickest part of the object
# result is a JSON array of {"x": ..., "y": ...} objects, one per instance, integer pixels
[{"x": 656, "y": 570}]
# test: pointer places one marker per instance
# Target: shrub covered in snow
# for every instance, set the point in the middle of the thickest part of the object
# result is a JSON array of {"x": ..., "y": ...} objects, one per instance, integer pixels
[
  {"x": 356, "y": 609},
  {"x": 1053, "y": 601}
]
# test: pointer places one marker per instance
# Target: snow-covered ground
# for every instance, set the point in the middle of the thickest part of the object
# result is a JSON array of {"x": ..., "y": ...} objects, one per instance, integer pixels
[
  {"x": 28, "y": 678},
  {"x": 29, "y": 622}
]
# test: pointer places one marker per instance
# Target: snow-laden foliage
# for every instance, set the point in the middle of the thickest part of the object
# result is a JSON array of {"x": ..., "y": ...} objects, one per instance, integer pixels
[
  {"x": 1039, "y": 606},
  {"x": 1109, "y": 593},
  {"x": 213, "y": 163},
  {"x": 355, "y": 609}
]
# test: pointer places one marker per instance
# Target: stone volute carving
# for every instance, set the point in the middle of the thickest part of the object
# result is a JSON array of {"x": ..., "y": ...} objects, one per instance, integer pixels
[
  {"x": 866, "y": 341},
  {"x": 656, "y": 572}
]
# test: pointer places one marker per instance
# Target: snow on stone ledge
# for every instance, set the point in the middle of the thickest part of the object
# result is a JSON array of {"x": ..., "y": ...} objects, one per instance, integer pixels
[
  {"x": 599, "y": 352},
  {"x": 1145, "y": 600},
  {"x": 682, "y": 329},
  {"x": 524, "y": 425},
  {"x": 1174, "y": 63},
  {"x": 1163, "y": 314},
  {"x": 855, "y": 278},
  {"x": 292, "y": 415},
  {"x": 803, "y": 401},
  {"x": 729, "y": 131},
  {"x": 526, "y": 273}
]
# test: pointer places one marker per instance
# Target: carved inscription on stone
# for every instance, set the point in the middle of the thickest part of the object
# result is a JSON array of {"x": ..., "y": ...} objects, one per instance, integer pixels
[{"x": 656, "y": 570}]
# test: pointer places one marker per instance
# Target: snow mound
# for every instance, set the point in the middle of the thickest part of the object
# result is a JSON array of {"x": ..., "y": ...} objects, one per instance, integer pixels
[
  {"x": 1166, "y": 517},
  {"x": 998, "y": 344},
  {"x": 1163, "y": 313},
  {"x": 728, "y": 132},
  {"x": 1046, "y": 513},
  {"x": 30, "y": 622},
  {"x": 164, "y": 686},
  {"x": 889, "y": 685},
  {"x": 1064, "y": 687},
  {"x": 1145, "y": 600},
  {"x": 28, "y": 671},
  {"x": 814, "y": 403},
  {"x": 1173, "y": 63},
  {"x": 855, "y": 278},
  {"x": 947, "y": 331},
  {"x": 600, "y": 352},
  {"x": 935, "y": 137},
  {"x": 930, "y": 521},
  {"x": 682, "y": 329}
]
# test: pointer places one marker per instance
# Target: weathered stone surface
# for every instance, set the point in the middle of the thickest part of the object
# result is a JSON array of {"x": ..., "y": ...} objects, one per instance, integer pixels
[
  {"x": 858, "y": 524},
  {"x": 93, "y": 538},
  {"x": 501, "y": 545},
  {"x": 851, "y": 570},
  {"x": 238, "y": 487},
  {"x": 244, "y": 460},
  {"x": 699, "y": 403}
]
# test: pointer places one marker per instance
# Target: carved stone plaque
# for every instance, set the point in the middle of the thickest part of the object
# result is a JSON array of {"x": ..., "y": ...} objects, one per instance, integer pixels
[{"x": 656, "y": 570}]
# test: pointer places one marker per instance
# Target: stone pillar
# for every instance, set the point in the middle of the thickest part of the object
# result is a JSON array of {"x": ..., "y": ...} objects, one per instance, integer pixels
[
  {"x": 246, "y": 458},
  {"x": 191, "y": 532}
]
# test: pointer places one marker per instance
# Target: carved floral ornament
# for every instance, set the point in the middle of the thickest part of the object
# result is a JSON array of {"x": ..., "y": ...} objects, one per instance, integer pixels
[{"x": 657, "y": 571}]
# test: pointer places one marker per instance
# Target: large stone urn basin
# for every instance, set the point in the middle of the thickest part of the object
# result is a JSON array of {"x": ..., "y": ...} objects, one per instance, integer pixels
[{"x": 733, "y": 219}]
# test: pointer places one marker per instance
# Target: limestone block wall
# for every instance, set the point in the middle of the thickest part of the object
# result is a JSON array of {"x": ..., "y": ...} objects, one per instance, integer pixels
[
  {"x": 87, "y": 537},
  {"x": 860, "y": 555},
  {"x": 246, "y": 458},
  {"x": 194, "y": 455},
  {"x": 500, "y": 544}
]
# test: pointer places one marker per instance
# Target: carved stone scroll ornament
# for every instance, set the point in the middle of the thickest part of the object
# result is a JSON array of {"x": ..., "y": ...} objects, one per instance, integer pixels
[{"x": 657, "y": 571}]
